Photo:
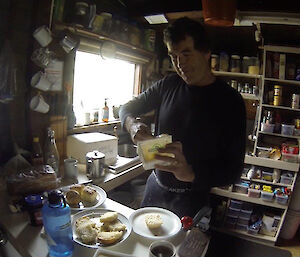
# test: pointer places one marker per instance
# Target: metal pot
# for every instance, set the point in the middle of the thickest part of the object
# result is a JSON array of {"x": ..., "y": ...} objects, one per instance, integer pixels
[{"x": 95, "y": 164}]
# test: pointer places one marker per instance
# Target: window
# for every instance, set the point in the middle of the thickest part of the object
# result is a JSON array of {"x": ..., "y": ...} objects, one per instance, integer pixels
[{"x": 96, "y": 79}]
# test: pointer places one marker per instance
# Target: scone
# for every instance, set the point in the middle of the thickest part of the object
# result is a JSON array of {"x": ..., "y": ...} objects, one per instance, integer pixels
[
  {"x": 109, "y": 237},
  {"x": 78, "y": 188},
  {"x": 153, "y": 220},
  {"x": 89, "y": 194},
  {"x": 73, "y": 197},
  {"x": 86, "y": 230},
  {"x": 109, "y": 216},
  {"x": 116, "y": 225}
]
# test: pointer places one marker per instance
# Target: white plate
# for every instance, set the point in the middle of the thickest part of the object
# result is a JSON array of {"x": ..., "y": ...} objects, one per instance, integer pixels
[
  {"x": 170, "y": 227},
  {"x": 101, "y": 197},
  {"x": 94, "y": 215}
]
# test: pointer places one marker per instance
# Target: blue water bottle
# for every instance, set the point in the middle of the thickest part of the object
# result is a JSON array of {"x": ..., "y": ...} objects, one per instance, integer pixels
[{"x": 57, "y": 223}]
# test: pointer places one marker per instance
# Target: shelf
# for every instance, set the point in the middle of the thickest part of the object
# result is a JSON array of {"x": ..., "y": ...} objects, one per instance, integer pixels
[
  {"x": 282, "y": 49},
  {"x": 246, "y": 198},
  {"x": 278, "y": 135},
  {"x": 236, "y": 74},
  {"x": 280, "y": 107},
  {"x": 266, "y": 182},
  {"x": 293, "y": 82},
  {"x": 265, "y": 162},
  {"x": 250, "y": 96}
]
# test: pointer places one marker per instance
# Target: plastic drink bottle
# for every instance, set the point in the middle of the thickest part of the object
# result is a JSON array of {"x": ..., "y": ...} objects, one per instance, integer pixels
[{"x": 57, "y": 223}]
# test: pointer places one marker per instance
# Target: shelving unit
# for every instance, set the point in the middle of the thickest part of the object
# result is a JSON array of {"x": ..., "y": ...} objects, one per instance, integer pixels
[
  {"x": 253, "y": 160},
  {"x": 236, "y": 74}
]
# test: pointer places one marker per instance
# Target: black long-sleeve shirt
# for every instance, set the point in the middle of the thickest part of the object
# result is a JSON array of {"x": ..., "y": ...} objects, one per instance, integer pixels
[{"x": 209, "y": 121}]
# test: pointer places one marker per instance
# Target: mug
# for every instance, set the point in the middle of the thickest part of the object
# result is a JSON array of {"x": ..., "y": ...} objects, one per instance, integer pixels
[
  {"x": 38, "y": 104},
  {"x": 162, "y": 249},
  {"x": 70, "y": 168},
  {"x": 68, "y": 43},
  {"x": 40, "y": 81},
  {"x": 42, "y": 57},
  {"x": 43, "y": 35}
]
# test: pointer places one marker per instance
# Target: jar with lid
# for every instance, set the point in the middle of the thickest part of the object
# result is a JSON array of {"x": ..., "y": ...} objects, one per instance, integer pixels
[
  {"x": 134, "y": 35},
  {"x": 106, "y": 23},
  {"x": 277, "y": 95},
  {"x": 214, "y": 62},
  {"x": 224, "y": 61},
  {"x": 235, "y": 63},
  {"x": 246, "y": 63}
]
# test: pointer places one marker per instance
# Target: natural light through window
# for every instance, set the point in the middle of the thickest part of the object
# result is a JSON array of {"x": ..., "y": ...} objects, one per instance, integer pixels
[{"x": 96, "y": 79}]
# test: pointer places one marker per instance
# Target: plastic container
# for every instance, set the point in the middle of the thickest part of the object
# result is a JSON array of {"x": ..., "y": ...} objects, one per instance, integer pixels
[
  {"x": 282, "y": 199},
  {"x": 243, "y": 221},
  {"x": 241, "y": 227},
  {"x": 235, "y": 204},
  {"x": 266, "y": 127},
  {"x": 240, "y": 189},
  {"x": 254, "y": 193},
  {"x": 267, "y": 196},
  {"x": 296, "y": 132},
  {"x": 34, "y": 204},
  {"x": 233, "y": 212},
  {"x": 289, "y": 157},
  {"x": 231, "y": 219},
  {"x": 57, "y": 223},
  {"x": 253, "y": 231},
  {"x": 284, "y": 179},
  {"x": 268, "y": 176},
  {"x": 287, "y": 130},
  {"x": 245, "y": 214}
]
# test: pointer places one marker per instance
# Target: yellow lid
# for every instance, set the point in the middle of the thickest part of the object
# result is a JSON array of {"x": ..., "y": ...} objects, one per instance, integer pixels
[{"x": 36, "y": 139}]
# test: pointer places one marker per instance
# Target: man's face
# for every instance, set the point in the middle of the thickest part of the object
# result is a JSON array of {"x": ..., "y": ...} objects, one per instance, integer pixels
[{"x": 190, "y": 64}]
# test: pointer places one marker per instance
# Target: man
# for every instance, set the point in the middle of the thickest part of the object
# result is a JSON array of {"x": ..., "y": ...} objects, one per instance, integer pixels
[{"x": 205, "y": 117}]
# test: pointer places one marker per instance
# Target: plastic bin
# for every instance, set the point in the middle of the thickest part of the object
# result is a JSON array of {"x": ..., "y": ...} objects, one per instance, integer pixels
[
  {"x": 253, "y": 231},
  {"x": 247, "y": 206},
  {"x": 267, "y": 196},
  {"x": 254, "y": 193},
  {"x": 241, "y": 227},
  {"x": 282, "y": 199},
  {"x": 229, "y": 225},
  {"x": 233, "y": 212},
  {"x": 231, "y": 219},
  {"x": 240, "y": 189},
  {"x": 296, "y": 132},
  {"x": 243, "y": 221},
  {"x": 286, "y": 180},
  {"x": 245, "y": 214},
  {"x": 268, "y": 176},
  {"x": 236, "y": 204},
  {"x": 287, "y": 130},
  {"x": 289, "y": 157},
  {"x": 265, "y": 127}
]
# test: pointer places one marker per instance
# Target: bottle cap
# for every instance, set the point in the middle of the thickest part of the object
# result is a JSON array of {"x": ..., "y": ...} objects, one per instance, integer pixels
[
  {"x": 33, "y": 200},
  {"x": 54, "y": 197}
]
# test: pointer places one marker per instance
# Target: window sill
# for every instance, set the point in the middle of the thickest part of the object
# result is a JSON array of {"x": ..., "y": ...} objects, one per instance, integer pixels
[{"x": 93, "y": 127}]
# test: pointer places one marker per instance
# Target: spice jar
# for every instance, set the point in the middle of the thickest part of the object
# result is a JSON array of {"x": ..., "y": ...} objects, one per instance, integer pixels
[
  {"x": 277, "y": 95},
  {"x": 214, "y": 62},
  {"x": 235, "y": 63},
  {"x": 34, "y": 204},
  {"x": 295, "y": 101},
  {"x": 246, "y": 63},
  {"x": 224, "y": 61}
]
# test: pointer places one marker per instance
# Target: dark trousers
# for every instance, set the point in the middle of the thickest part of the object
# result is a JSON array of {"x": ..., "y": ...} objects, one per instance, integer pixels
[{"x": 182, "y": 204}]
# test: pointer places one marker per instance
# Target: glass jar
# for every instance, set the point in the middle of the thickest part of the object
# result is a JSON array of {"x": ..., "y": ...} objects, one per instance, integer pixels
[
  {"x": 235, "y": 63},
  {"x": 224, "y": 61},
  {"x": 107, "y": 23},
  {"x": 234, "y": 84},
  {"x": 214, "y": 62},
  {"x": 246, "y": 63}
]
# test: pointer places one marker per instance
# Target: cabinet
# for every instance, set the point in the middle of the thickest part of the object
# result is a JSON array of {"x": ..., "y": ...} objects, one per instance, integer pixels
[{"x": 265, "y": 141}]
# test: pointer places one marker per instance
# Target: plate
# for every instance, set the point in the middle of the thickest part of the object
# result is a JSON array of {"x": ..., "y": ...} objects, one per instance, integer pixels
[
  {"x": 101, "y": 197},
  {"x": 170, "y": 227},
  {"x": 94, "y": 215}
]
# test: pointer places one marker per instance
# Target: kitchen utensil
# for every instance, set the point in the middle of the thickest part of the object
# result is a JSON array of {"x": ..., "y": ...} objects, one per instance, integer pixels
[
  {"x": 38, "y": 104},
  {"x": 42, "y": 57},
  {"x": 94, "y": 215},
  {"x": 40, "y": 81},
  {"x": 95, "y": 164}
]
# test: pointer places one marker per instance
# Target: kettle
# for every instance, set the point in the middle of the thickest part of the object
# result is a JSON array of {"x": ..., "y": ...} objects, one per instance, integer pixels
[
  {"x": 95, "y": 164},
  {"x": 84, "y": 13}
]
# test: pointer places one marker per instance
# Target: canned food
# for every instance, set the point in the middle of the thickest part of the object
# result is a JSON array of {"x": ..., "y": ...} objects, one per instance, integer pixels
[
  {"x": 277, "y": 95},
  {"x": 295, "y": 101}
]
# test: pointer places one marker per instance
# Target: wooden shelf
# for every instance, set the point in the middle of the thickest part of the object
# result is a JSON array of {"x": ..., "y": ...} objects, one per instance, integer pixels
[
  {"x": 265, "y": 162},
  {"x": 278, "y": 135},
  {"x": 280, "y": 107},
  {"x": 284, "y": 81},
  {"x": 266, "y": 182},
  {"x": 246, "y": 198},
  {"x": 250, "y": 96},
  {"x": 236, "y": 74},
  {"x": 282, "y": 49}
]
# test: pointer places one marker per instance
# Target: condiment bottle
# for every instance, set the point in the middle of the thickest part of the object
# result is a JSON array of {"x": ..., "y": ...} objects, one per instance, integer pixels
[
  {"x": 51, "y": 153},
  {"x": 105, "y": 111},
  {"x": 37, "y": 153},
  {"x": 57, "y": 223}
]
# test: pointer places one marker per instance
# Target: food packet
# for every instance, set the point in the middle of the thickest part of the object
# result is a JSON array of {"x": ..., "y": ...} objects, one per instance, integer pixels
[{"x": 147, "y": 150}]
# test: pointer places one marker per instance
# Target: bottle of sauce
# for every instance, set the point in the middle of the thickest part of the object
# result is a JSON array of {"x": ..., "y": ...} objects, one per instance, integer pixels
[
  {"x": 57, "y": 223},
  {"x": 105, "y": 111},
  {"x": 37, "y": 153}
]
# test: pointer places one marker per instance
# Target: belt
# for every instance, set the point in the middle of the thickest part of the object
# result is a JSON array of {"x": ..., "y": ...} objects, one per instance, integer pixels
[{"x": 171, "y": 189}]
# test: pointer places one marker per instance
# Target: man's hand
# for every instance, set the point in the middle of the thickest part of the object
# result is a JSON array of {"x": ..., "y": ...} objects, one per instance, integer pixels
[
  {"x": 178, "y": 165},
  {"x": 137, "y": 130}
]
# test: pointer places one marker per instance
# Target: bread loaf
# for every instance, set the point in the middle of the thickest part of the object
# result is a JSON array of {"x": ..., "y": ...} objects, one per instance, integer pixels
[{"x": 153, "y": 220}]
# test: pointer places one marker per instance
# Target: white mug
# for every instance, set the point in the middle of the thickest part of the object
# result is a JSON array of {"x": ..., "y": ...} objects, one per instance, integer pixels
[
  {"x": 70, "y": 168},
  {"x": 38, "y": 104},
  {"x": 40, "y": 81},
  {"x": 43, "y": 35},
  {"x": 68, "y": 43},
  {"x": 162, "y": 248}
]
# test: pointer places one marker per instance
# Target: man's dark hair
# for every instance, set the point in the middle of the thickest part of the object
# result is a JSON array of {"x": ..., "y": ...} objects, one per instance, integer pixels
[{"x": 182, "y": 27}]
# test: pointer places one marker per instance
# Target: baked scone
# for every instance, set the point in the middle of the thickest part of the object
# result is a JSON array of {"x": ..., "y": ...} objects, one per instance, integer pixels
[
  {"x": 73, "y": 197},
  {"x": 78, "y": 188},
  {"x": 89, "y": 194},
  {"x": 86, "y": 230},
  {"x": 109, "y": 237},
  {"x": 116, "y": 225},
  {"x": 109, "y": 217},
  {"x": 153, "y": 220}
]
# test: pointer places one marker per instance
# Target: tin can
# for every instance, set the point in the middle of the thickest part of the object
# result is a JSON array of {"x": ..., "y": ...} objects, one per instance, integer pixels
[
  {"x": 295, "y": 101},
  {"x": 277, "y": 95}
]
